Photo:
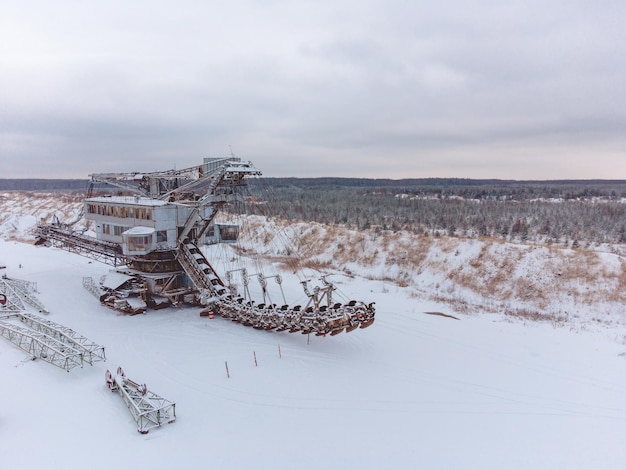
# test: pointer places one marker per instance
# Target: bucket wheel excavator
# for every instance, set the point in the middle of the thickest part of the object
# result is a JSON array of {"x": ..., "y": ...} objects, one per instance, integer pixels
[{"x": 151, "y": 227}]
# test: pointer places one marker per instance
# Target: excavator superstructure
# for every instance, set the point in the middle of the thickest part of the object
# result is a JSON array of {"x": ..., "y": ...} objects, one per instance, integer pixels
[{"x": 152, "y": 229}]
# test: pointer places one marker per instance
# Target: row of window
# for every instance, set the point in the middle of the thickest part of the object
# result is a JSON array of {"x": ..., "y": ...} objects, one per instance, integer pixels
[
  {"x": 120, "y": 211},
  {"x": 117, "y": 230},
  {"x": 139, "y": 243}
]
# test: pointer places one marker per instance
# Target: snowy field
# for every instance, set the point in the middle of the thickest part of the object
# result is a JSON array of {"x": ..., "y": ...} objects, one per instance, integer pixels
[{"x": 412, "y": 391}]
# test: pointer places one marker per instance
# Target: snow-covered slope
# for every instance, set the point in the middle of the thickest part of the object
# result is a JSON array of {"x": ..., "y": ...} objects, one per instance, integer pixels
[
  {"x": 20, "y": 212},
  {"x": 572, "y": 287}
]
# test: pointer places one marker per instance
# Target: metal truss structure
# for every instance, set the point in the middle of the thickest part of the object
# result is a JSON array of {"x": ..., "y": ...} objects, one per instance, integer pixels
[
  {"x": 40, "y": 346},
  {"x": 18, "y": 292},
  {"x": 148, "y": 409},
  {"x": 50, "y": 342},
  {"x": 90, "y": 351},
  {"x": 74, "y": 242},
  {"x": 91, "y": 287}
]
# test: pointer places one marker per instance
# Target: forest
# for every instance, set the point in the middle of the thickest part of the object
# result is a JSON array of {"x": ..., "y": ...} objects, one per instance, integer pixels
[
  {"x": 571, "y": 213},
  {"x": 566, "y": 212}
]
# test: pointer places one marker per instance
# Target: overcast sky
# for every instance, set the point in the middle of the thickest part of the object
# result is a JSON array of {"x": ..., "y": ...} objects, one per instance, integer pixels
[{"x": 385, "y": 89}]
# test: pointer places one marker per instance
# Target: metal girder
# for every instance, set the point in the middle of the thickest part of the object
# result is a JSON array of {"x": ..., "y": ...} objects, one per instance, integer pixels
[
  {"x": 127, "y": 181},
  {"x": 195, "y": 215},
  {"x": 12, "y": 302},
  {"x": 231, "y": 171},
  {"x": 90, "y": 351},
  {"x": 19, "y": 292},
  {"x": 99, "y": 250},
  {"x": 90, "y": 285},
  {"x": 41, "y": 346},
  {"x": 49, "y": 341},
  {"x": 177, "y": 184},
  {"x": 148, "y": 409}
]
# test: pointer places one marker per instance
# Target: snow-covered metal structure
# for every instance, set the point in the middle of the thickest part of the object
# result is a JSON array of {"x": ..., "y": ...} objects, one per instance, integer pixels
[
  {"x": 39, "y": 337},
  {"x": 154, "y": 226},
  {"x": 40, "y": 346},
  {"x": 90, "y": 351},
  {"x": 17, "y": 293},
  {"x": 148, "y": 409},
  {"x": 49, "y": 341}
]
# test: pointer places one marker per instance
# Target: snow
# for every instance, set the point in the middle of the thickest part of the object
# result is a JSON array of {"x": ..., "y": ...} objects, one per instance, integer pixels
[
  {"x": 114, "y": 279},
  {"x": 129, "y": 200},
  {"x": 139, "y": 231},
  {"x": 411, "y": 391}
]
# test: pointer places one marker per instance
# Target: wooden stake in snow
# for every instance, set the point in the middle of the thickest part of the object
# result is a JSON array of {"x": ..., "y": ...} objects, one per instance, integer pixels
[
  {"x": 227, "y": 373},
  {"x": 279, "y": 353},
  {"x": 255, "y": 362}
]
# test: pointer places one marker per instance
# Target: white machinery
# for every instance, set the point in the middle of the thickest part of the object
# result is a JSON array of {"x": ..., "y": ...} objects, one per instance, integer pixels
[{"x": 155, "y": 224}]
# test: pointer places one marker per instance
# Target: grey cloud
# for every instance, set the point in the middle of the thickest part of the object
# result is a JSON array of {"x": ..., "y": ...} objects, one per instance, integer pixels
[{"x": 437, "y": 88}]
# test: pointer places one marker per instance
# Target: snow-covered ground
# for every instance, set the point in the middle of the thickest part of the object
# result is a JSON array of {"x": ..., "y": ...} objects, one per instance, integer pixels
[
  {"x": 412, "y": 391},
  {"x": 495, "y": 390}
]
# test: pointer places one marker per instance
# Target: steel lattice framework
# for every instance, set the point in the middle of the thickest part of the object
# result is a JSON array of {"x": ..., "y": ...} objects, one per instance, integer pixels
[
  {"x": 18, "y": 292},
  {"x": 41, "y": 346},
  {"x": 49, "y": 341},
  {"x": 91, "y": 352},
  {"x": 148, "y": 409},
  {"x": 99, "y": 250}
]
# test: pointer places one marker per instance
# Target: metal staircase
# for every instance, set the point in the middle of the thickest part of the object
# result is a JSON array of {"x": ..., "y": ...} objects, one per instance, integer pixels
[{"x": 199, "y": 269}]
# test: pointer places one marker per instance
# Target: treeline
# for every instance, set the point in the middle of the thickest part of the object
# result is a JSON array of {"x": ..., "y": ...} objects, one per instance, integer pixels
[
  {"x": 566, "y": 212},
  {"x": 466, "y": 188},
  {"x": 440, "y": 187},
  {"x": 43, "y": 185}
]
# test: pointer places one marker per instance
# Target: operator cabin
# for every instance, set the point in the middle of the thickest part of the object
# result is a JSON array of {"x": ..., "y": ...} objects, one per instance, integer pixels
[{"x": 143, "y": 225}]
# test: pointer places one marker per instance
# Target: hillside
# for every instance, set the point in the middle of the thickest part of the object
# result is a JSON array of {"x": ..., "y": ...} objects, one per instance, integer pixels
[{"x": 575, "y": 287}]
